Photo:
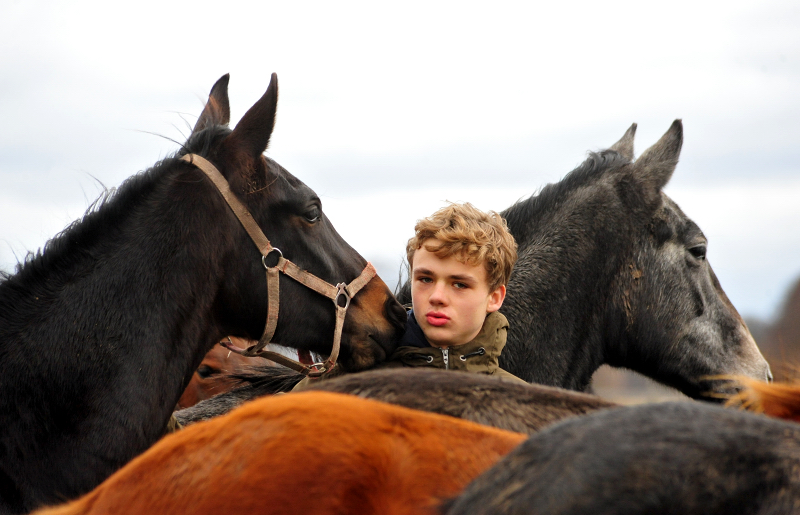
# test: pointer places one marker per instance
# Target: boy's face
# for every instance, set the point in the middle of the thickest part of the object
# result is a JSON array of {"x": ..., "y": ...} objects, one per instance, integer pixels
[{"x": 451, "y": 299}]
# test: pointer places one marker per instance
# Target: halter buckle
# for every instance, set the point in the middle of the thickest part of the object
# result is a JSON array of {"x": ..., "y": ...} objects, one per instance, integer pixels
[
  {"x": 342, "y": 291},
  {"x": 270, "y": 253},
  {"x": 316, "y": 370}
]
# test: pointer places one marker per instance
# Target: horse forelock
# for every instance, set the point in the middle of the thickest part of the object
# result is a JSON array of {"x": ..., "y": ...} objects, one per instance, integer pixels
[{"x": 205, "y": 141}]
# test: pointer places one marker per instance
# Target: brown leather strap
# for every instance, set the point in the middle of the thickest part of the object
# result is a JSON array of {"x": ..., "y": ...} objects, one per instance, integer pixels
[
  {"x": 315, "y": 369},
  {"x": 273, "y": 282},
  {"x": 236, "y": 206}
]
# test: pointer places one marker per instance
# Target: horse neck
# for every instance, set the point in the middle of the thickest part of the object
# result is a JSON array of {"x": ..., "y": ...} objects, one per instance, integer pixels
[
  {"x": 558, "y": 295},
  {"x": 109, "y": 333}
]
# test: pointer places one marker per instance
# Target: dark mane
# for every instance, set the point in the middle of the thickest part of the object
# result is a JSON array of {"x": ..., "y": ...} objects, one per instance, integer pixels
[
  {"x": 70, "y": 252},
  {"x": 521, "y": 214}
]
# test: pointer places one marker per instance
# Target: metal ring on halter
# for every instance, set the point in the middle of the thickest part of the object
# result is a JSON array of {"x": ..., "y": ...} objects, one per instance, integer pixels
[
  {"x": 264, "y": 258},
  {"x": 341, "y": 291}
]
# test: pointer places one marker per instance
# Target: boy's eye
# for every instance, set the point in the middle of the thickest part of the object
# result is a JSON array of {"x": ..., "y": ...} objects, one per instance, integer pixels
[
  {"x": 425, "y": 280},
  {"x": 460, "y": 286}
]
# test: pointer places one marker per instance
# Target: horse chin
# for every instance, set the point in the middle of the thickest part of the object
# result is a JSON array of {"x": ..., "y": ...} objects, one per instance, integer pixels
[
  {"x": 718, "y": 386},
  {"x": 711, "y": 374},
  {"x": 369, "y": 338},
  {"x": 716, "y": 390},
  {"x": 362, "y": 355}
]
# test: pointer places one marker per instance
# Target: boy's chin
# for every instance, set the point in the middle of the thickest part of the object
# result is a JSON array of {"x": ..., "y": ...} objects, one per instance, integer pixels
[
  {"x": 441, "y": 337},
  {"x": 436, "y": 336}
]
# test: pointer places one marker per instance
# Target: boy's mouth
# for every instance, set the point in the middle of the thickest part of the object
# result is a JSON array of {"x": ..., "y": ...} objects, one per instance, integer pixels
[{"x": 436, "y": 319}]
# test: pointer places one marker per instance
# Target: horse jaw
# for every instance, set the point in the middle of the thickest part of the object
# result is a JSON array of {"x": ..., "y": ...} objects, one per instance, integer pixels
[
  {"x": 738, "y": 354},
  {"x": 702, "y": 340}
]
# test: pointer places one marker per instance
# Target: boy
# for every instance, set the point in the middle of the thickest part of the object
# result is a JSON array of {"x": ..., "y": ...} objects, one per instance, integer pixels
[{"x": 460, "y": 259}]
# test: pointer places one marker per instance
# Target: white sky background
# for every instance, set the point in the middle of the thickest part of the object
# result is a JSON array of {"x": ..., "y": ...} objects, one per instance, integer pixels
[{"x": 388, "y": 110}]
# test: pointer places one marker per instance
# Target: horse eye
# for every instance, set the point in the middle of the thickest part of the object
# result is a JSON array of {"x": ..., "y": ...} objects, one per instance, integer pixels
[
  {"x": 698, "y": 251},
  {"x": 204, "y": 371},
  {"x": 312, "y": 216}
]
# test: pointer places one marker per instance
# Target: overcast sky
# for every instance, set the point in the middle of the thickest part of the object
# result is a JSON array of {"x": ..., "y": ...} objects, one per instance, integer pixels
[{"x": 389, "y": 109}]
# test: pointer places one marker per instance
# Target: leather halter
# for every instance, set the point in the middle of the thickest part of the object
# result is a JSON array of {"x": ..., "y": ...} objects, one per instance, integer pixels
[{"x": 341, "y": 293}]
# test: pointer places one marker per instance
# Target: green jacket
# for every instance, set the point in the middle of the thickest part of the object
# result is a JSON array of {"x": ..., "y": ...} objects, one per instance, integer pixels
[{"x": 479, "y": 355}]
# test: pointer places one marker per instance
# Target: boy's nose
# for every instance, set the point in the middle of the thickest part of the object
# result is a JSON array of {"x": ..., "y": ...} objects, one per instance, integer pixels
[{"x": 437, "y": 294}]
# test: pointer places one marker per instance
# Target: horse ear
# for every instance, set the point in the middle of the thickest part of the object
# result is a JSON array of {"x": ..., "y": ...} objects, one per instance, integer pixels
[
  {"x": 218, "y": 109},
  {"x": 656, "y": 164},
  {"x": 625, "y": 145},
  {"x": 252, "y": 133}
]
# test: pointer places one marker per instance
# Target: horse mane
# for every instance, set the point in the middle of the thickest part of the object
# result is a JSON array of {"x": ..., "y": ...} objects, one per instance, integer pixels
[
  {"x": 273, "y": 379},
  {"x": 780, "y": 400},
  {"x": 65, "y": 254},
  {"x": 261, "y": 381},
  {"x": 591, "y": 170}
]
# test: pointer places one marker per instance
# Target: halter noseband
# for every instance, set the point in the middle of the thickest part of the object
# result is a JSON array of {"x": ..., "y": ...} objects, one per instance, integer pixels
[{"x": 335, "y": 293}]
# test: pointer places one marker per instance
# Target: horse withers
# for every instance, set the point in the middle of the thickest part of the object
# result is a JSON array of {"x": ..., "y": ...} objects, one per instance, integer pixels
[
  {"x": 610, "y": 270},
  {"x": 101, "y": 331}
]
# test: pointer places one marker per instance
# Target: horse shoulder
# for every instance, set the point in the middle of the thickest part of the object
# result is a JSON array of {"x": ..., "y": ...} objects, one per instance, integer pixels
[{"x": 305, "y": 452}]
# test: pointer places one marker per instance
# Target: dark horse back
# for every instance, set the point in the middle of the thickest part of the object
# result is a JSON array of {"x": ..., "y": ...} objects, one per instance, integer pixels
[
  {"x": 491, "y": 401},
  {"x": 670, "y": 458}
]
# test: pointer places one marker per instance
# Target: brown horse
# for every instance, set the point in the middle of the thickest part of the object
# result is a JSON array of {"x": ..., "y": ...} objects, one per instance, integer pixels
[
  {"x": 310, "y": 452},
  {"x": 214, "y": 375}
]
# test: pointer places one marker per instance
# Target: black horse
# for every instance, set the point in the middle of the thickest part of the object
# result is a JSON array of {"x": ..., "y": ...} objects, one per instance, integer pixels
[
  {"x": 670, "y": 458},
  {"x": 101, "y": 331},
  {"x": 611, "y": 271}
]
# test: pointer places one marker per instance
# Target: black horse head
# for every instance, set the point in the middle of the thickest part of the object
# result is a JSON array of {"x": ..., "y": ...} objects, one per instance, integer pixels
[
  {"x": 612, "y": 271},
  {"x": 291, "y": 216},
  {"x": 675, "y": 321}
]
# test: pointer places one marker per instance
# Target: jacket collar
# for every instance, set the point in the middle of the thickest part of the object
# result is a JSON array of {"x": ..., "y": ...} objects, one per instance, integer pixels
[
  {"x": 413, "y": 337},
  {"x": 489, "y": 335}
]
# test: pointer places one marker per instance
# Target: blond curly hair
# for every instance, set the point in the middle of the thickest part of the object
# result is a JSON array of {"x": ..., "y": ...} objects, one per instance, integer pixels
[{"x": 472, "y": 236}]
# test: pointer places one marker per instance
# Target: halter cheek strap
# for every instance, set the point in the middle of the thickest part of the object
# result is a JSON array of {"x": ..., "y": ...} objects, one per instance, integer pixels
[{"x": 339, "y": 294}]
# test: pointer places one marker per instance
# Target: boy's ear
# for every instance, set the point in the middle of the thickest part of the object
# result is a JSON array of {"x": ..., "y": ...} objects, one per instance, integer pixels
[{"x": 496, "y": 299}]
